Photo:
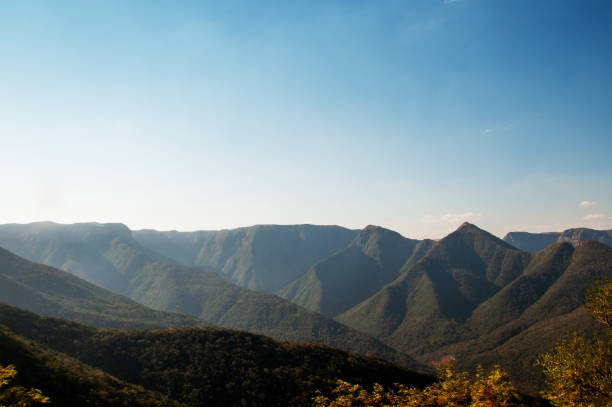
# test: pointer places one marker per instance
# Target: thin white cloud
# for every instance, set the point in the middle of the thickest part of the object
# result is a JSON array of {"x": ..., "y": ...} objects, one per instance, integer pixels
[
  {"x": 501, "y": 129},
  {"x": 586, "y": 204},
  {"x": 450, "y": 2},
  {"x": 459, "y": 217},
  {"x": 592, "y": 216}
]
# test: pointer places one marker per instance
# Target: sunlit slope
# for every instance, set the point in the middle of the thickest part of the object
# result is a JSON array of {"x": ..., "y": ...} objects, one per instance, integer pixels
[{"x": 50, "y": 291}]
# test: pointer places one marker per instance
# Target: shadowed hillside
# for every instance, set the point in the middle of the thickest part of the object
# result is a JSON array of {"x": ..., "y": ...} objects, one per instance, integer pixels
[
  {"x": 333, "y": 285},
  {"x": 423, "y": 308},
  {"x": 531, "y": 242},
  {"x": 434, "y": 311},
  {"x": 171, "y": 287},
  {"x": 192, "y": 365},
  {"x": 533, "y": 312},
  {"x": 262, "y": 257},
  {"x": 66, "y": 380}
]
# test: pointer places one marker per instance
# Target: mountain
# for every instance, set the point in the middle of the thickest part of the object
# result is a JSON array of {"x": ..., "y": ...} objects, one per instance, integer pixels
[
  {"x": 531, "y": 242},
  {"x": 103, "y": 254},
  {"x": 534, "y": 242},
  {"x": 151, "y": 280},
  {"x": 50, "y": 291},
  {"x": 66, "y": 380},
  {"x": 481, "y": 300},
  {"x": 574, "y": 236},
  {"x": 194, "y": 366},
  {"x": 533, "y": 312},
  {"x": 262, "y": 257},
  {"x": 423, "y": 308},
  {"x": 349, "y": 276}
]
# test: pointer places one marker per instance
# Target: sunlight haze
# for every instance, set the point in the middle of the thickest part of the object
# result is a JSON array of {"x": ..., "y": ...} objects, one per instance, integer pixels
[{"x": 415, "y": 116}]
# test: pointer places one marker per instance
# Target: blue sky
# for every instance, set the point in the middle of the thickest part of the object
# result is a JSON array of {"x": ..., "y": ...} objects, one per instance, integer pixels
[{"x": 413, "y": 115}]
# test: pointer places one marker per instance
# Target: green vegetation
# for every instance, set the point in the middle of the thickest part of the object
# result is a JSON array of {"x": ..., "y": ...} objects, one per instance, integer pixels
[
  {"x": 470, "y": 294},
  {"x": 535, "y": 299},
  {"x": 421, "y": 310},
  {"x": 54, "y": 292},
  {"x": 262, "y": 257},
  {"x": 579, "y": 373},
  {"x": 69, "y": 382},
  {"x": 154, "y": 281},
  {"x": 195, "y": 366},
  {"x": 331, "y": 286}
]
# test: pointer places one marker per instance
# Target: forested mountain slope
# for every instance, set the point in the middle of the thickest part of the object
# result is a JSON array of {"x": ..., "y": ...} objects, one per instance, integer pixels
[
  {"x": 422, "y": 308},
  {"x": 529, "y": 315},
  {"x": 66, "y": 380},
  {"x": 50, "y": 291},
  {"x": 262, "y": 257},
  {"x": 147, "y": 278},
  {"x": 196, "y": 366},
  {"x": 333, "y": 285},
  {"x": 486, "y": 302}
]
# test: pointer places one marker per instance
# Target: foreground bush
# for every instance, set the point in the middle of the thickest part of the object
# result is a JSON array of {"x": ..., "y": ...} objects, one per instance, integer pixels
[
  {"x": 17, "y": 396},
  {"x": 453, "y": 389},
  {"x": 579, "y": 372}
]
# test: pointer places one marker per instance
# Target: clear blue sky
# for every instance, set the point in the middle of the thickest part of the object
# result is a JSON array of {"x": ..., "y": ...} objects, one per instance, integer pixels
[{"x": 413, "y": 115}]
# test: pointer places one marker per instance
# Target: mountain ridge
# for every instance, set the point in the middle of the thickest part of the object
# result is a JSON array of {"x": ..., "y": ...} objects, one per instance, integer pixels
[
  {"x": 189, "y": 290},
  {"x": 534, "y": 242},
  {"x": 333, "y": 285},
  {"x": 194, "y": 366}
]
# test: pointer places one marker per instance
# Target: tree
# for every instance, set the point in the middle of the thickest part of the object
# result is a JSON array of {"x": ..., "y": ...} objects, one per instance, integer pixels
[
  {"x": 579, "y": 372},
  {"x": 453, "y": 389},
  {"x": 17, "y": 396}
]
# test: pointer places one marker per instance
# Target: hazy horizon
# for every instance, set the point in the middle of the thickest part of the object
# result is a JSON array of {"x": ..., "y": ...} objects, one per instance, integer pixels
[
  {"x": 204, "y": 116},
  {"x": 287, "y": 224}
]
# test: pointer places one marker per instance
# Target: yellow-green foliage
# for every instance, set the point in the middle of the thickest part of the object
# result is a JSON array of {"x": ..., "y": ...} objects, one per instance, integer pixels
[
  {"x": 579, "y": 372},
  {"x": 453, "y": 389},
  {"x": 599, "y": 302},
  {"x": 17, "y": 396}
]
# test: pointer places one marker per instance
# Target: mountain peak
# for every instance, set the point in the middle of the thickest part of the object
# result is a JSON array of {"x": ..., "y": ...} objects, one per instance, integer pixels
[
  {"x": 372, "y": 228},
  {"x": 468, "y": 232},
  {"x": 372, "y": 235},
  {"x": 467, "y": 226}
]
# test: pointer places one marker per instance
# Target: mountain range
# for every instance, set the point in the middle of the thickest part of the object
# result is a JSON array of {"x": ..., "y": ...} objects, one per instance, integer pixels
[
  {"x": 262, "y": 257},
  {"x": 534, "y": 242},
  {"x": 478, "y": 298},
  {"x": 107, "y": 254},
  {"x": 374, "y": 258},
  {"x": 472, "y": 295}
]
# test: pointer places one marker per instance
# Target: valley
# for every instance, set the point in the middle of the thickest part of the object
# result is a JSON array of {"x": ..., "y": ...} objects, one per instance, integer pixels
[{"x": 412, "y": 302}]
